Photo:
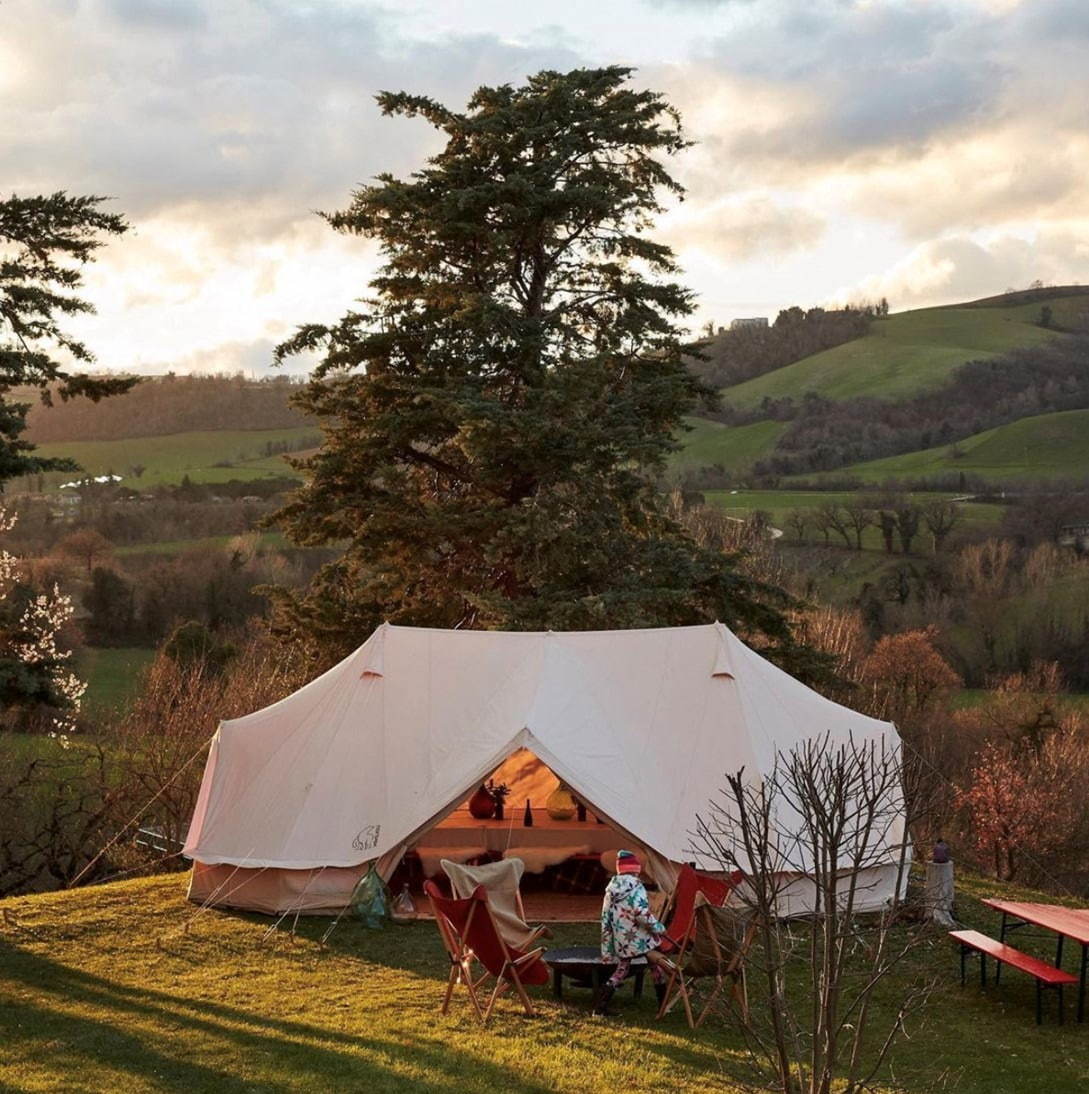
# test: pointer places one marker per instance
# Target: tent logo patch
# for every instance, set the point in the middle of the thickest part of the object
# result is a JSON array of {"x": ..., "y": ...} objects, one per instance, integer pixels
[{"x": 367, "y": 838}]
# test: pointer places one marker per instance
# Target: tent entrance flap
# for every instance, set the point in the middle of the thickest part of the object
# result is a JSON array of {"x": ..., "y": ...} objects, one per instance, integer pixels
[{"x": 560, "y": 847}]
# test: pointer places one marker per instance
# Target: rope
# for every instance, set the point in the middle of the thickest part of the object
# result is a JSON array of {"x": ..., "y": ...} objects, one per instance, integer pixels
[
  {"x": 333, "y": 926},
  {"x": 207, "y": 902},
  {"x": 298, "y": 908},
  {"x": 159, "y": 793}
]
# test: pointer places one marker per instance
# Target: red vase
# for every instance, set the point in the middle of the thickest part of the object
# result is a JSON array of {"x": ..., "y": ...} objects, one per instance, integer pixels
[{"x": 482, "y": 804}]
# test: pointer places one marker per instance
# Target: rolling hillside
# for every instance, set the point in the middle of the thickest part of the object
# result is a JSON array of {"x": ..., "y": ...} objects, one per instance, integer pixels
[
  {"x": 902, "y": 354},
  {"x": 733, "y": 447},
  {"x": 911, "y": 362},
  {"x": 205, "y": 456},
  {"x": 908, "y": 352},
  {"x": 1047, "y": 445}
]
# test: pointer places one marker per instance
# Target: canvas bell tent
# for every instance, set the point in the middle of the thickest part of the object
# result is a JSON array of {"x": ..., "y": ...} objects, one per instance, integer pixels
[{"x": 370, "y": 760}]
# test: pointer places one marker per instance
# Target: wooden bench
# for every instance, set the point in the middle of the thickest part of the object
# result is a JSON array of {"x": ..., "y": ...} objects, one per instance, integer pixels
[{"x": 1046, "y": 976}]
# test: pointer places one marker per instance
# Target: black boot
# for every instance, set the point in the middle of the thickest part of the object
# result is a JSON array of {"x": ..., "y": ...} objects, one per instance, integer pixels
[
  {"x": 602, "y": 1010},
  {"x": 660, "y": 993}
]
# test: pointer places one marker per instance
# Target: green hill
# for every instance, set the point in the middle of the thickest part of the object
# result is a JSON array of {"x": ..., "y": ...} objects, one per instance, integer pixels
[
  {"x": 126, "y": 987},
  {"x": 206, "y": 456},
  {"x": 734, "y": 447},
  {"x": 913, "y": 350},
  {"x": 1044, "y": 446}
]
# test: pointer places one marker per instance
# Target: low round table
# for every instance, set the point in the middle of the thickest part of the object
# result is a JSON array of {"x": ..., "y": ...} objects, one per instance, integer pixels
[{"x": 584, "y": 966}]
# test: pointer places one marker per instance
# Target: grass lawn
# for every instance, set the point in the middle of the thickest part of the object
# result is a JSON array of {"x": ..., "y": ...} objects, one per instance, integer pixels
[
  {"x": 736, "y": 448},
  {"x": 1046, "y": 445},
  {"x": 167, "y": 459},
  {"x": 265, "y": 541},
  {"x": 779, "y": 503},
  {"x": 907, "y": 352},
  {"x": 104, "y": 989},
  {"x": 967, "y": 698},
  {"x": 21, "y": 748},
  {"x": 112, "y": 675}
]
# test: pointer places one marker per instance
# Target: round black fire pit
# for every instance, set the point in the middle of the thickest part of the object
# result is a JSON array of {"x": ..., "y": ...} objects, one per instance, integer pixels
[{"x": 583, "y": 966}]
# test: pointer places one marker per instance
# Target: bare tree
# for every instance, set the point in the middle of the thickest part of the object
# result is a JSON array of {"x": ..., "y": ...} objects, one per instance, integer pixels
[
  {"x": 823, "y": 821},
  {"x": 85, "y": 546},
  {"x": 860, "y": 517},
  {"x": 886, "y": 521},
  {"x": 798, "y": 521},
  {"x": 819, "y": 519},
  {"x": 55, "y": 811},
  {"x": 835, "y": 517},
  {"x": 941, "y": 517},
  {"x": 988, "y": 575},
  {"x": 907, "y": 525}
]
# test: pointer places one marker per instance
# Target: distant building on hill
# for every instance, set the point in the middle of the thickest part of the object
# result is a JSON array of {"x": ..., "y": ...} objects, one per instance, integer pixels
[{"x": 756, "y": 321}]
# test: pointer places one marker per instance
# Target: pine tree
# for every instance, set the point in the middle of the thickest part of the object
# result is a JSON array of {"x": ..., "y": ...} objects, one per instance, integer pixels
[
  {"x": 44, "y": 243},
  {"x": 497, "y": 411}
]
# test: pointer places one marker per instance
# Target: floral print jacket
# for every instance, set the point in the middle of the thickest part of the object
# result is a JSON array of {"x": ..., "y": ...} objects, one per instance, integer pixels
[{"x": 627, "y": 927}]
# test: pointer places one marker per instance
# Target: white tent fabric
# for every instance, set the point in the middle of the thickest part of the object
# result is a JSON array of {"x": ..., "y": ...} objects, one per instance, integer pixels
[{"x": 642, "y": 724}]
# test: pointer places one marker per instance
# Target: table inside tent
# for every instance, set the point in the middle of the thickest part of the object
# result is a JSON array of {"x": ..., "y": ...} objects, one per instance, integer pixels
[{"x": 460, "y": 836}]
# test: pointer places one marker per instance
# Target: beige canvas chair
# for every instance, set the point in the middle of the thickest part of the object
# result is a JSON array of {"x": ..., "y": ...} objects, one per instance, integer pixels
[
  {"x": 471, "y": 935},
  {"x": 501, "y": 882}
]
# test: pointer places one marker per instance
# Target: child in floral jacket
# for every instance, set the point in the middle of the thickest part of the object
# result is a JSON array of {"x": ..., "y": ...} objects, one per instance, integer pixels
[{"x": 628, "y": 929}]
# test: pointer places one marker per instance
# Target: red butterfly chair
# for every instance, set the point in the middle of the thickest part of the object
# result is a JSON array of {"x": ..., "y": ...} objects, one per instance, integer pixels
[
  {"x": 469, "y": 933},
  {"x": 715, "y": 891},
  {"x": 691, "y": 888}
]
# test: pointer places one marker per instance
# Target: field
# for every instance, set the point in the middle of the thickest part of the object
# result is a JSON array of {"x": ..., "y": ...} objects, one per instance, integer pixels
[
  {"x": 127, "y": 987},
  {"x": 112, "y": 675},
  {"x": 734, "y": 447},
  {"x": 210, "y": 456},
  {"x": 1047, "y": 445},
  {"x": 780, "y": 503},
  {"x": 264, "y": 540},
  {"x": 905, "y": 353}
]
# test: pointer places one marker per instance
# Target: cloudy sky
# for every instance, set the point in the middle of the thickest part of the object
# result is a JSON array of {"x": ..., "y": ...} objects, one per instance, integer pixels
[{"x": 928, "y": 150}]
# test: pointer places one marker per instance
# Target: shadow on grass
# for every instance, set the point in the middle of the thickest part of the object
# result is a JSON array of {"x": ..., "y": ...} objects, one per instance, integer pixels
[{"x": 92, "y": 1020}]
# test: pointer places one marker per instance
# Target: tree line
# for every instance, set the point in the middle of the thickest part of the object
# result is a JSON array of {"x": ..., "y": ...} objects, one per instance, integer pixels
[
  {"x": 732, "y": 356},
  {"x": 173, "y": 403}
]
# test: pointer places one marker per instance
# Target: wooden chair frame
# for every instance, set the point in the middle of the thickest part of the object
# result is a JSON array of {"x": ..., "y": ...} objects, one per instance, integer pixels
[
  {"x": 462, "y": 959},
  {"x": 678, "y": 986}
]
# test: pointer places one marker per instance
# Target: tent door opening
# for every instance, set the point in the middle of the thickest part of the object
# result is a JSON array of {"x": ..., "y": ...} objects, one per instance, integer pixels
[{"x": 568, "y": 860}]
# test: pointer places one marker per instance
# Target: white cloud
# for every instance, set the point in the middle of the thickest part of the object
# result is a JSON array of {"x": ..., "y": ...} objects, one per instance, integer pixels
[
  {"x": 937, "y": 150},
  {"x": 961, "y": 268},
  {"x": 218, "y": 129},
  {"x": 743, "y": 228}
]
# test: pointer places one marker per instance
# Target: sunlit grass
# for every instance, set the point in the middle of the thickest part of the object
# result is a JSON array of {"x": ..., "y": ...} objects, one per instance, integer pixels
[{"x": 128, "y": 987}]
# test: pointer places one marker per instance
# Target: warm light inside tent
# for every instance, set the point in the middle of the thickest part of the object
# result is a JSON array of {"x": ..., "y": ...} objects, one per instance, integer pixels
[{"x": 568, "y": 860}]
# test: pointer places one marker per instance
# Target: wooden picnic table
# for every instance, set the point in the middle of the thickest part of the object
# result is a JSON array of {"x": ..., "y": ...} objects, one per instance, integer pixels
[{"x": 1072, "y": 923}]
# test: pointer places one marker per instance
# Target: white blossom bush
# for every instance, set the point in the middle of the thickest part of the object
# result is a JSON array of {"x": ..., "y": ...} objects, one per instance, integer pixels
[{"x": 36, "y": 670}]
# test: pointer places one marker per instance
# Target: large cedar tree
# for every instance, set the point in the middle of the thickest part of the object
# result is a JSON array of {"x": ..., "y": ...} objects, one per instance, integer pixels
[{"x": 498, "y": 409}]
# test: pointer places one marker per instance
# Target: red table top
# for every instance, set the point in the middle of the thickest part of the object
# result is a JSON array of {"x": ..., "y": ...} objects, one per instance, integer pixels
[{"x": 1071, "y": 922}]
